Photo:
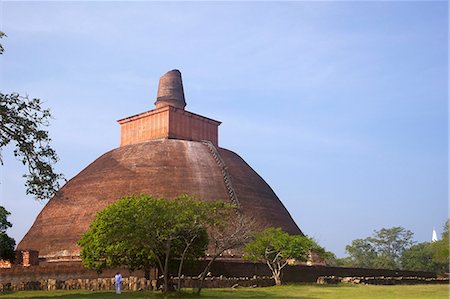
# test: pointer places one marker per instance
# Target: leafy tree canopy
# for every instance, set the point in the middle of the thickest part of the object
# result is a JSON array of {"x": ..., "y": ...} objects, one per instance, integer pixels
[
  {"x": 276, "y": 248},
  {"x": 4, "y": 223},
  {"x": 2, "y": 34},
  {"x": 440, "y": 249},
  {"x": 446, "y": 229},
  {"x": 420, "y": 258},
  {"x": 142, "y": 232},
  {"x": 23, "y": 122},
  {"x": 7, "y": 243},
  {"x": 390, "y": 243},
  {"x": 362, "y": 253},
  {"x": 382, "y": 250}
]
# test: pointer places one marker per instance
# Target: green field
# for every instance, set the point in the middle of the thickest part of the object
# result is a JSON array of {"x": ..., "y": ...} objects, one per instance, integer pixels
[{"x": 289, "y": 291}]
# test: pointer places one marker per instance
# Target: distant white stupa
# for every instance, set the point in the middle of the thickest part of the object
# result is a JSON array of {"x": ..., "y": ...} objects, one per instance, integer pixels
[{"x": 434, "y": 236}]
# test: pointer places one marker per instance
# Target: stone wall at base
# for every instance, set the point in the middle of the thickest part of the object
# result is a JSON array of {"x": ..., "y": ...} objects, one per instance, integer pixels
[
  {"x": 61, "y": 272},
  {"x": 133, "y": 283},
  {"x": 224, "y": 273},
  {"x": 227, "y": 282},
  {"x": 381, "y": 280},
  {"x": 297, "y": 273},
  {"x": 93, "y": 284},
  {"x": 311, "y": 273}
]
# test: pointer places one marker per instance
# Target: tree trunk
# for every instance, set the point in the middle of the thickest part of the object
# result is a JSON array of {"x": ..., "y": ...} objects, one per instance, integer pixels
[
  {"x": 276, "y": 274},
  {"x": 166, "y": 269},
  {"x": 204, "y": 273},
  {"x": 147, "y": 272},
  {"x": 180, "y": 267},
  {"x": 277, "y": 278},
  {"x": 182, "y": 261},
  {"x": 179, "y": 274}
]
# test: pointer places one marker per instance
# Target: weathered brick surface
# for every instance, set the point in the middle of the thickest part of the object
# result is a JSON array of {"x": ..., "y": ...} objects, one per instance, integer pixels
[
  {"x": 255, "y": 194},
  {"x": 162, "y": 154},
  {"x": 161, "y": 168},
  {"x": 170, "y": 90},
  {"x": 169, "y": 119},
  {"x": 5, "y": 264},
  {"x": 27, "y": 258},
  {"x": 167, "y": 122},
  {"x": 146, "y": 126}
]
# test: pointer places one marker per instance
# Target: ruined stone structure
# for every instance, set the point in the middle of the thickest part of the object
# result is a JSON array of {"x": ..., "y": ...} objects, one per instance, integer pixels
[
  {"x": 163, "y": 152},
  {"x": 27, "y": 258}
]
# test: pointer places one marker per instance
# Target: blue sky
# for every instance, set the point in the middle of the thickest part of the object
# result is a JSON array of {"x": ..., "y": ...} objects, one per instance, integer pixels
[{"x": 340, "y": 106}]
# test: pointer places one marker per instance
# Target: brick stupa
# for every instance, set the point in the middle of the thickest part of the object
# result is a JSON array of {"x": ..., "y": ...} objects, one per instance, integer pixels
[{"x": 163, "y": 152}]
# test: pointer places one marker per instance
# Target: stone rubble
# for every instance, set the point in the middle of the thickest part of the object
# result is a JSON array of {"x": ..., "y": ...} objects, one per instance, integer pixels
[{"x": 381, "y": 280}]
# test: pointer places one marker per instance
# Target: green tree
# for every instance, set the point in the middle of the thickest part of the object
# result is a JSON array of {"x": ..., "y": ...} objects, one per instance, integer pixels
[
  {"x": 105, "y": 244},
  {"x": 275, "y": 248},
  {"x": 23, "y": 122},
  {"x": 193, "y": 237},
  {"x": 440, "y": 249},
  {"x": 142, "y": 232},
  {"x": 362, "y": 253},
  {"x": 390, "y": 243},
  {"x": 382, "y": 250},
  {"x": 7, "y": 243},
  {"x": 419, "y": 258}
]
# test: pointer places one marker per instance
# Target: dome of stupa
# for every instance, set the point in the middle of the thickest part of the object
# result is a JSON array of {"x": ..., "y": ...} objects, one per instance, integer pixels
[{"x": 164, "y": 152}]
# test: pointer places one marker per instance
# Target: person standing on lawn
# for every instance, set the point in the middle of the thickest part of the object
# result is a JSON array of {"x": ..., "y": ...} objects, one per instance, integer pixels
[{"x": 118, "y": 283}]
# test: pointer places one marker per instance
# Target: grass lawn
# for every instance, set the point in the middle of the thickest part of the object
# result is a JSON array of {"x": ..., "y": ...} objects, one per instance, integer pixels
[{"x": 302, "y": 291}]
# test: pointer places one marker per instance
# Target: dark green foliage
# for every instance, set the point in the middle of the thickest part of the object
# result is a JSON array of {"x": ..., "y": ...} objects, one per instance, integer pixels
[
  {"x": 7, "y": 244},
  {"x": 420, "y": 258},
  {"x": 4, "y": 223},
  {"x": 2, "y": 34},
  {"x": 275, "y": 248},
  {"x": 23, "y": 122}
]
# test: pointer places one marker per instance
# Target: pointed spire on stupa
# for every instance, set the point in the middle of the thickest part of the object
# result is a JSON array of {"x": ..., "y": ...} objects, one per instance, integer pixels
[
  {"x": 170, "y": 91},
  {"x": 434, "y": 236}
]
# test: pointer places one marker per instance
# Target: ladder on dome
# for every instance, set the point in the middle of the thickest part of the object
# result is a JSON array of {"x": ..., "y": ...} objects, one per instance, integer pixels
[{"x": 225, "y": 174}]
